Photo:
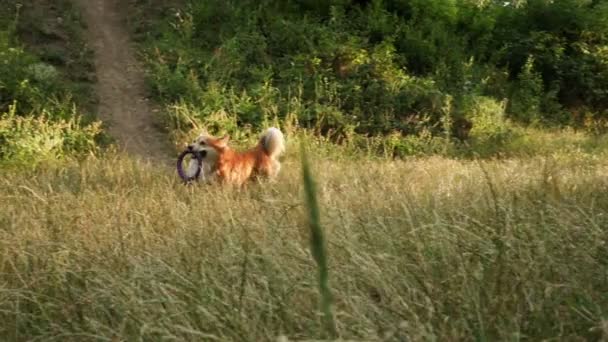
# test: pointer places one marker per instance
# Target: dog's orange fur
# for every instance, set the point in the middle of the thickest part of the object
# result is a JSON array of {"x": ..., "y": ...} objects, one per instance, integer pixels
[{"x": 237, "y": 167}]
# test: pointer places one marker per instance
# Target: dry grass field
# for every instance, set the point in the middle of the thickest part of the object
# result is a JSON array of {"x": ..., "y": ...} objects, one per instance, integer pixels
[{"x": 425, "y": 249}]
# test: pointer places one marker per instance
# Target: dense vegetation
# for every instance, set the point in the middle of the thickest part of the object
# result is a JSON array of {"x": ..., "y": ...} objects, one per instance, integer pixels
[
  {"x": 469, "y": 70},
  {"x": 400, "y": 77},
  {"x": 110, "y": 248},
  {"x": 44, "y": 83}
]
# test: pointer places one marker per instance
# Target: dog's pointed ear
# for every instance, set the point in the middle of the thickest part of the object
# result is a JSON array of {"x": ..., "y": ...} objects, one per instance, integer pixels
[{"x": 223, "y": 141}]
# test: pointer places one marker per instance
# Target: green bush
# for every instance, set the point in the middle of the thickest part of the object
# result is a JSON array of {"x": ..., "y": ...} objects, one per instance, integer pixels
[
  {"x": 35, "y": 85},
  {"x": 527, "y": 93},
  {"x": 30, "y": 140},
  {"x": 39, "y": 119},
  {"x": 374, "y": 68},
  {"x": 488, "y": 118},
  {"x": 259, "y": 67}
]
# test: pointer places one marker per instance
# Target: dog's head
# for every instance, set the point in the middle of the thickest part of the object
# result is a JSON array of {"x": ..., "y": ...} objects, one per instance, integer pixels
[
  {"x": 208, "y": 145},
  {"x": 209, "y": 148}
]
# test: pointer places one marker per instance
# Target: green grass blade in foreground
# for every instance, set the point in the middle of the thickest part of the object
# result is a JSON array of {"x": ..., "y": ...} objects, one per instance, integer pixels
[{"x": 317, "y": 245}]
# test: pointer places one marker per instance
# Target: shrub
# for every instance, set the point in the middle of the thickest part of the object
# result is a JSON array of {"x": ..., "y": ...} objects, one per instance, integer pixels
[
  {"x": 373, "y": 68},
  {"x": 526, "y": 96},
  {"x": 487, "y": 115},
  {"x": 30, "y": 140},
  {"x": 35, "y": 85},
  {"x": 39, "y": 119}
]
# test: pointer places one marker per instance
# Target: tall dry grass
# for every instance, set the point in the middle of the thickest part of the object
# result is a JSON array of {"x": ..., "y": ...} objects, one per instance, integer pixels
[{"x": 426, "y": 249}]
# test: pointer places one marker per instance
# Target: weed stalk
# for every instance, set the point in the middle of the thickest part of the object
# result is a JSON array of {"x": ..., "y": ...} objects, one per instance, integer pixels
[{"x": 317, "y": 245}]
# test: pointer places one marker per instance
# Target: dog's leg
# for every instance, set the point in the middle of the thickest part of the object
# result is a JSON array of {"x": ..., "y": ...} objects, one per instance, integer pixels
[{"x": 275, "y": 168}]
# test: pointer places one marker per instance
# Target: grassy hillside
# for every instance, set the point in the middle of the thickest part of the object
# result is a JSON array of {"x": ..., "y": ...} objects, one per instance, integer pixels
[
  {"x": 425, "y": 249},
  {"x": 45, "y": 77},
  {"x": 463, "y": 74}
]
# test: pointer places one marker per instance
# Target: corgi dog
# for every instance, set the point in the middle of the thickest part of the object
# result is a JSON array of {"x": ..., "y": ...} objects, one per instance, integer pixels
[{"x": 237, "y": 167}]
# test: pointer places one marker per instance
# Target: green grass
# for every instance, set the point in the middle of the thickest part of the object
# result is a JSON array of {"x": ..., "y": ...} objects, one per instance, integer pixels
[
  {"x": 423, "y": 249},
  {"x": 48, "y": 67},
  {"x": 45, "y": 84},
  {"x": 53, "y": 31}
]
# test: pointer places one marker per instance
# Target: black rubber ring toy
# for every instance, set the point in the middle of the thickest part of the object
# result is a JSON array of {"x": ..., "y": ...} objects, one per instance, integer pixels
[{"x": 180, "y": 170}]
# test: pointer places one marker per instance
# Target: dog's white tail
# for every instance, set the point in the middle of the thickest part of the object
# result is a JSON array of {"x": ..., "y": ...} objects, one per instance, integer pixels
[{"x": 273, "y": 142}]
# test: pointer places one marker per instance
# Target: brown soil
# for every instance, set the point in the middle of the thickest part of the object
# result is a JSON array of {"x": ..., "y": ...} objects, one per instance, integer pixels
[{"x": 120, "y": 82}]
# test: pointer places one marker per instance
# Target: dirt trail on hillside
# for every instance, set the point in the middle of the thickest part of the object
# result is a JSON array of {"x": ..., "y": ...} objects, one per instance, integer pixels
[{"x": 120, "y": 82}]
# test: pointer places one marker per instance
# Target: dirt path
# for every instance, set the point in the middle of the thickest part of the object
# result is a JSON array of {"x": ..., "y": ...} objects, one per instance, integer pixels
[{"x": 120, "y": 82}]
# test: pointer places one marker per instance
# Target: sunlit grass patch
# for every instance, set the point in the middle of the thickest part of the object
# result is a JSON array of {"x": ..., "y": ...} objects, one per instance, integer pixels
[{"x": 419, "y": 249}]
